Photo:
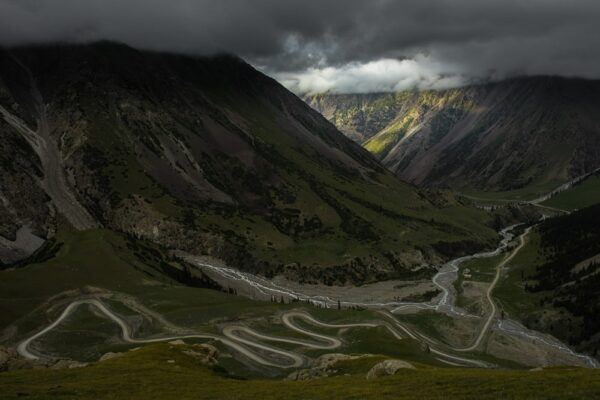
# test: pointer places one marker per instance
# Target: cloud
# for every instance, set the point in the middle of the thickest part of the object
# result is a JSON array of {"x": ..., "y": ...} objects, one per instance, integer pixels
[
  {"x": 308, "y": 43},
  {"x": 384, "y": 75}
]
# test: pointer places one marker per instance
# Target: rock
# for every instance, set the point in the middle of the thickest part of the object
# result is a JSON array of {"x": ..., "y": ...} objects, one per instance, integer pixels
[
  {"x": 322, "y": 367},
  {"x": 307, "y": 374},
  {"x": 388, "y": 367},
  {"x": 329, "y": 360},
  {"x": 171, "y": 361},
  {"x": 109, "y": 356},
  {"x": 66, "y": 363},
  {"x": 536, "y": 369},
  {"x": 4, "y": 357},
  {"x": 177, "y": 342},
  {"x": 206, "y": 354},
  {"x": 11, "y": 360}
]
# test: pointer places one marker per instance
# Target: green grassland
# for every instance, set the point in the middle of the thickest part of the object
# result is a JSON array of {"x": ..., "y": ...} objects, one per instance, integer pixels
[
  {"x": 163, "y": 371},
  {"x": 105, "y": 260},
  {"x": 584, "y": 194},
  {"x": 525, "y": 194},
  {"x": 101, "y": 259},
  {"x": 510, "y": 290},
  {"x": 481, "y": 270}
]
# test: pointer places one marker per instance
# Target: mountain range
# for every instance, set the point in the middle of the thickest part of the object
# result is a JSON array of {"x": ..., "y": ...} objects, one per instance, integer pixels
[
  {"x": 531, "y": 132},
  {"x": 207, "y": 156}
]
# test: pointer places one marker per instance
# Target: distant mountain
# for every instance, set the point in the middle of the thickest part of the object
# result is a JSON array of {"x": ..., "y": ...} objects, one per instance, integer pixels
[
  {"x": 208, "y": 156},
  {"x": 537, "y": 132}
]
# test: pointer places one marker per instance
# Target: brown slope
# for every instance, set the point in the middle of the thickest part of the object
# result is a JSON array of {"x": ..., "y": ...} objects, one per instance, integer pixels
[{"x": 537, "y": 131}]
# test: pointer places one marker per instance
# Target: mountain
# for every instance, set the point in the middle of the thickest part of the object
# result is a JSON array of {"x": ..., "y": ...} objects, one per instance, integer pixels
[
  {"x": 206, "y": 156},
  {"x": 532, "y": 132},
  {"x": 553, "y": 284}
]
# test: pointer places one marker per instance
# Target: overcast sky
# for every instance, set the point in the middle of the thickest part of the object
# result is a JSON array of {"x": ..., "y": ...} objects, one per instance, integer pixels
[{"x": 341, "y": 45}]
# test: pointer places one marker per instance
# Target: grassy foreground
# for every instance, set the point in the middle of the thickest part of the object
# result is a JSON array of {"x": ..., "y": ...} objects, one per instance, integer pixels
[{"x": 164, "y": 371}]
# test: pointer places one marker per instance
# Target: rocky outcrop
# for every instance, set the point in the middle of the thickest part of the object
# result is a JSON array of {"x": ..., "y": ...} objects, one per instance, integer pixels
[
  {"x": 495, "y": 136},
  {"x": 322, "y": 367},
  {"x": 10, "y": 360},
  {"x": 109, "y": 356},
  {"x": 388, "y": 367},
  {"x": 205, "y": 354},
  {"x": 66, "y": 363}
]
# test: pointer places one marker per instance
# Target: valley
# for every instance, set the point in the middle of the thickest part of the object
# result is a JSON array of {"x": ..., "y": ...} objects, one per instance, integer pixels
[
  {"x": 160, "y": 209},
  {"x": 244, "y": 340},
  {"x": 520, "y": 137}
]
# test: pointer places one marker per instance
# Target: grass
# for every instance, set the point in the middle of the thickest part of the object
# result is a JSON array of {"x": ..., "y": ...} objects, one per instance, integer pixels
[
  {"x": 101, "y": 259},
  {"x": 86, "y": 258},
  {"x": 525, "y": 194},
  {"x": 585, "y": 194},
  {"x": 481, "y": 269},
  {"x": 147, "y": 374},
  {"x": 510, "y": 290}
]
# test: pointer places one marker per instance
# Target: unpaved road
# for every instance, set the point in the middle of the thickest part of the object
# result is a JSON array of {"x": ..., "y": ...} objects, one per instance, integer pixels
[
  {"x": 539, "y": 200},
  {"x": 444, "y": 303},
  {"x": 235, "y": 336},
  {"x": 23, "y": 347},
  {"x": 490, "y": 289}
]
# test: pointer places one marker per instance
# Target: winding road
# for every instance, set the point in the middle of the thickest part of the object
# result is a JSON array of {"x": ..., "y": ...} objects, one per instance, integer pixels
[
  {"x": 242, "y": 339},
  {"x": 445, "y": 303},
  {"x": 539, "y": 200},
  {"x": 23, "y": 347},
  {"x": 236, "y": 336},
  {"x": 490, "y": 289}
]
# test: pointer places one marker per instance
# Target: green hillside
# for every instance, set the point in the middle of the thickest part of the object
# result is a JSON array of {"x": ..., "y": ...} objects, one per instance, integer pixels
[
  {"x": 583, "y": 194},
  {"x": 551, "y": 285},
  {"x": 164, "y": 371},
  {"x": 209, "y": 156}
]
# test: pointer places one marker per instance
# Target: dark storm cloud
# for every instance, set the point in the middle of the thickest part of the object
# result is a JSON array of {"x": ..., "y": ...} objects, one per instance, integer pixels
[{"x": 310, "y": 45}]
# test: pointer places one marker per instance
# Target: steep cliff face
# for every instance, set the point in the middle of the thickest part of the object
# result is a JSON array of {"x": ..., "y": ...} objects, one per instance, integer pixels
[
  {"x": 358, "y": 116},
  {"x": 205, "y": 155},
  {"x": 537, "y": 131}
]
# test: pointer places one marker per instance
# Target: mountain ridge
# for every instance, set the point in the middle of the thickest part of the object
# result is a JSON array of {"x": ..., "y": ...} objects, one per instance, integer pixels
[
  {"x": 209, "y": 156},
  {"x": 474, "y": 137}
]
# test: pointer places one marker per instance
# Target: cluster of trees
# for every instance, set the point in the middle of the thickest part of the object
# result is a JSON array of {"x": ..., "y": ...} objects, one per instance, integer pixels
[{"x": 565, "y": 242}]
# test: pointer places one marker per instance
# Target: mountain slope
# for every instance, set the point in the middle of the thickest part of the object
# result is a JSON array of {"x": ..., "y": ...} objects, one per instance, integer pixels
[
  {"x": 553, "y": 285},
  {"x": 528, "y": 132},
  {"x": 208, "y": 156}
]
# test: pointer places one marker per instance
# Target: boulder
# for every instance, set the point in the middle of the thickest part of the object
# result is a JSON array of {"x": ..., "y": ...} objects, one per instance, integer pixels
[
  {"x": 206, "y": 354},
  {"x": 66, "y": 363},
  {"x": 10, "y": 360},
  {"x": 322, "y": 367},
  {"x": 4, "y": 357},
  {"x": 109, "y": 356},
  {"x": 388, "y": 367}
]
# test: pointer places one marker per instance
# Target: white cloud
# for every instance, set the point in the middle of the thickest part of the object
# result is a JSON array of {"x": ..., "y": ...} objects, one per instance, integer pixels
[{"x": 383, "y": 75}]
